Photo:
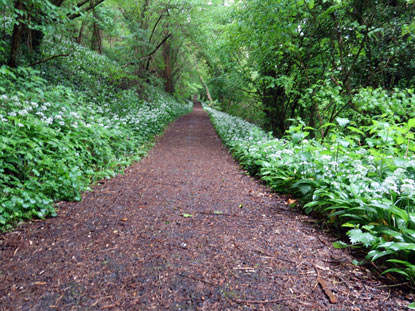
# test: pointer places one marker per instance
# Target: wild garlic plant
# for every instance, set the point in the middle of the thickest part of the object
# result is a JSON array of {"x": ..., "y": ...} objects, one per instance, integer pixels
[
  {"x": 55, "y": 140},
  {"x": 361, "y": 178}
]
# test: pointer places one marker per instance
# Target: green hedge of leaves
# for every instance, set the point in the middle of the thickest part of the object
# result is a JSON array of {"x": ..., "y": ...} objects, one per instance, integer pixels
[
  {"x": 361, "y": 178},
  {"x": 55, "y": 138}
]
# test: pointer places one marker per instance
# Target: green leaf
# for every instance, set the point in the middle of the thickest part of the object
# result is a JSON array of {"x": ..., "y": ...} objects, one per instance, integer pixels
[
  {"x": 340, "y": 244},
  {"x": 398, "y": 246},
  {"x": 342, "y": 122},
  {"x": 186, "y": 215},
  {"x": 327, "y": 125},
  {"x": 348, "y": 225},
  {"x": 356, "y": 130},
  {"x": 357, "y": 236},
  {"x": 343, "y": 142},
  {"x": 396, "y": 270},
  {"x": 297, "y": 137},
  {"x": 358, "y": 262}
]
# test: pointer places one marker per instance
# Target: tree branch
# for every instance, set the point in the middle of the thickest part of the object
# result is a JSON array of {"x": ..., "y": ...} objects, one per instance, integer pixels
[
  {"x": 48, "y": 59},
  {"x": 81, "y": 3},
  {"x": 156, "y": 24},
  {"x": 148, "y": 55},
  {"x": 155, "y": 50},
  {"x": 91, "y": 6},
  {"x": 346, "y": 78}
]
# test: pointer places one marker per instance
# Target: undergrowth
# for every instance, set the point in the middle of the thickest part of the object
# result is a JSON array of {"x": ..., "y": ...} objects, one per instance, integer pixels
[
  {"x": 360, "y": 178},
  {"x": 68, "y": 124}
]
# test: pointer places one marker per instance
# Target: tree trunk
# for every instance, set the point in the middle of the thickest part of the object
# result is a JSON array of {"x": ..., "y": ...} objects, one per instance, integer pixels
[
  {"x": 273, "y": 100},
  {"x": 206, "y": 88},
  {"x": 81, "y": 33},
  {"x": 168, "y": 76},
  {"x": 16, "y": 37},
  {"x": 96, "y": 39},
  {"x": 35, "y": 37}
]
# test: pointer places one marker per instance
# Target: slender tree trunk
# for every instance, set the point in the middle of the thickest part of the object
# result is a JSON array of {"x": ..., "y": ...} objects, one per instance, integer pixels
[
  {"x": 16, "y": 37},
  {"x": 96, "y": 39},
  {"x": 206, "y": 88},
  {"x": 81, "y": 33},
  {"x": 143, "y": 14},
  {"x": 36, "y": 37},
  {"x": 168, "y": 76},
  {"x": 96, "y": 44}
]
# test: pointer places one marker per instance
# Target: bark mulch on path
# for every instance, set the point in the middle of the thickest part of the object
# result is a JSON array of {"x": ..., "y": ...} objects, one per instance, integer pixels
[{"x": 184, "y": 229}]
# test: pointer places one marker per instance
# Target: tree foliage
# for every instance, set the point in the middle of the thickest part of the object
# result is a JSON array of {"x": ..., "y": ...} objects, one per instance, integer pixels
[{"x": 308, "y": 59}]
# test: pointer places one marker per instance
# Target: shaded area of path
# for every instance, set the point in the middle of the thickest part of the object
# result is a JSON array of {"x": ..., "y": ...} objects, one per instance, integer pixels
[{"x": 184, "y": 229}]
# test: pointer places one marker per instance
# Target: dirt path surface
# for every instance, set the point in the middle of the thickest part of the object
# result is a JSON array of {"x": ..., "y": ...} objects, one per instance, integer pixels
[{"x": 184, "y": 229}]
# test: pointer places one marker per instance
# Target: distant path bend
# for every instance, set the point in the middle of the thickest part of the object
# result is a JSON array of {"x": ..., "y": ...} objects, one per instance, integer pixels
[{"x": 184, "y": 229}]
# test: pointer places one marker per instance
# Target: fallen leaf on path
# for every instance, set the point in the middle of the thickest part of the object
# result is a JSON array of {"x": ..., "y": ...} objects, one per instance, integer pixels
[
  {"x": 327, "y": 290},
  {"x": 292, "y": 202},
  {"x": 124, "y": 219},
  {"x": 324, "y": 286}
]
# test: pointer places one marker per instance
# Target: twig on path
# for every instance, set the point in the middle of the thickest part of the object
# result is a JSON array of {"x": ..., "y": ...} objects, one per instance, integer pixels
[
  {"x": 99, "y": 300},
  {"x": 394, "y": 285},
  {"x": 271, "y": 256},
  {"x": 324, "y": 241},
  {"x": 15, "y": 251},
  {"x": 263, "y": 302},
  {"x": 325, "y": 288},
  {"x": 160, "y": 293},
  {"x": 109, "y": 306},
  {"x": 217, "y": 214},
  {"x": 244, "y": 268},
  {"x": 108, "y": 249},
  {"x": 201, "y": 280}
]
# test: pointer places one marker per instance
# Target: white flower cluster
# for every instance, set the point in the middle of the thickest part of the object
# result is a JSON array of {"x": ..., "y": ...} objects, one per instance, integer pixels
[
  {"x": 352, "y": 171},
  {"x": 146, "y": 119}
]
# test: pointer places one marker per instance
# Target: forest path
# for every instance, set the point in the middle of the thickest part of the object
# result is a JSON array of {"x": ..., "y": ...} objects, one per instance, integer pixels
[{"x": 184, "y": 229}]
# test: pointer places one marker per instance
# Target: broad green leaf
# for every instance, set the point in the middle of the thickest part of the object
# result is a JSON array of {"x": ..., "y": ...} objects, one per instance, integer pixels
[
  {"x": 340, "y": 244},
  {"x": 342, "y": 121},
  {"x": 357, "y": 236}
]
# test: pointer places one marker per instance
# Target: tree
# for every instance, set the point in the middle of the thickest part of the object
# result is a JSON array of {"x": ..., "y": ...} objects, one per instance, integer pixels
[
  {"x": 31, "y": 19},
  {"x": 308, "y": 58}
]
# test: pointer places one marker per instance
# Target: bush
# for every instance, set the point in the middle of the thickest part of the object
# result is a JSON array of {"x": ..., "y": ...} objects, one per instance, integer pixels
[
  {"x": 362, "y": 181},
  {"x": 55, "y": 138}
]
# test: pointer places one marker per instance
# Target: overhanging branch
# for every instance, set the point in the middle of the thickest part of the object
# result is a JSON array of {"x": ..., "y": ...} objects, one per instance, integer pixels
[
  {"x": 90, "y": 7},
  {"x": 148, "y": 56},
  {"x": 48, "y": 59}
]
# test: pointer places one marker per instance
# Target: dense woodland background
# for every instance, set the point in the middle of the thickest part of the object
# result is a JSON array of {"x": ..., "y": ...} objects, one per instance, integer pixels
[
  {"x": 87, "y": 84},
  {"x": 270, "y": 61}
]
